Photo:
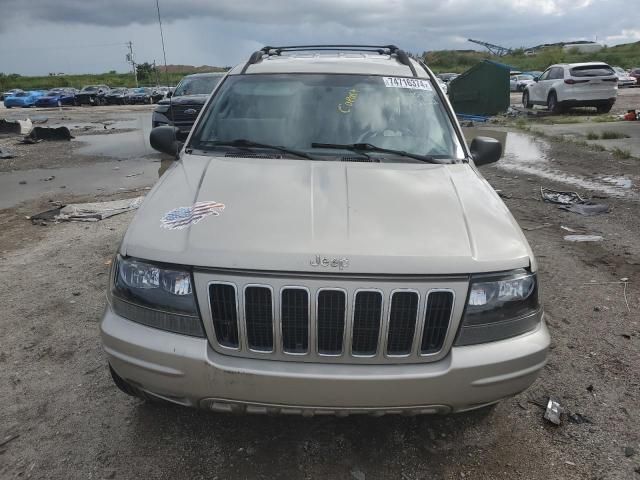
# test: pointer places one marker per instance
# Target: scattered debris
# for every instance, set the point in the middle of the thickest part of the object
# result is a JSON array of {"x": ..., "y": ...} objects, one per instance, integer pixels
[
  {"x": 39, "y": 134},
  {"x": 554, "y": 411},
  {"x": 579, "y": 419},
  {"x": 9, "y": 126},
  {"x": 48, "y": 179},
  {"x": 133, "y": 174},
  {"x": 590, "y": 388},
  {"x": 583, "y": 238},
  {"x": 357, "y": 474},
  {"x": 572, "y": 202},
  {"x": 92, "y": 212},
  {"x": 8, "y": 439},
  {"x": 6, "y": 153},
  {"x": 568, "y": 229},
  {"x": 537, "y": 227},
  {"x": 39, "y": 119},
  {"x": 629, "y": 452},
  {"x": 22, "y": 182}
]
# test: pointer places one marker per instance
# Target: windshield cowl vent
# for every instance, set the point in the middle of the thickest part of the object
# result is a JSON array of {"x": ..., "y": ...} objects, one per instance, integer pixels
[
  {"x": 360, "y": 159},
  {"x": 253, "y": 155}
]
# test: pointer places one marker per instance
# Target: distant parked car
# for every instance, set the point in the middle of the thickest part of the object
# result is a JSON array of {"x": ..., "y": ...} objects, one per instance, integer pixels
[
  {"x": 568, "y": 85},
  {"x": 443, "y": 85},
  {"x": 635, "y": 73},
  {"x": 57, "y": 97},
  {"x": 533, "y": 73},
  {"x": 9, "y": 93},
  {"x": 93, "y": 95},
  {"x": 163, "y": 91},
  {"x": 517, "y": 83},
  {"x": 185, "y": 103},
  {"x": 23, "y": 99},
  {"x": 117, "y": 96},
  {"x": 624, "y": 78},
  {"x": 140, "y": 95},
  {"x": 447, "y": 77}
]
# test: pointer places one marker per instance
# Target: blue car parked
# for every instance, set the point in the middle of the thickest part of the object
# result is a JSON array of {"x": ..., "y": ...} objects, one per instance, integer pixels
[
  {"x": 23, "y": 99},
  {"x": 57, "y": 98}
]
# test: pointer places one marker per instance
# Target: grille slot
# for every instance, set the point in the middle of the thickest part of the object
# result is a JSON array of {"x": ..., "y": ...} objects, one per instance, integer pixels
[
  {"x": 294, "y": 313},
  {"x": 258, "y": 314},
  {"x": 367, "y": 313},
  {"x": 330, "y": 317},
  {"x": 224, "y": 312},
  {"x": 436, "y": 321},
  {"x": 402, "y": 322}
]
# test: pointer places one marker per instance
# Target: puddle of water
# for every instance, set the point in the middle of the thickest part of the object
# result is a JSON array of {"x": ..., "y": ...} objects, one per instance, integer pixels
[
  {"x": 102, "y": 177},
  {"x": 531, "y": 155},
  {"x": 120, "y": 145}
]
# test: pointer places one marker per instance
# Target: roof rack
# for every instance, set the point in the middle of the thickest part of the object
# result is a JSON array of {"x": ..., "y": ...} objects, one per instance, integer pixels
[{"x": 256, "y": 57}]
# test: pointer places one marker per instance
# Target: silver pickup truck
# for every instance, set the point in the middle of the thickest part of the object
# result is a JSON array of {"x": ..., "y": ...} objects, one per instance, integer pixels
[{"x": 325, "y": 244}]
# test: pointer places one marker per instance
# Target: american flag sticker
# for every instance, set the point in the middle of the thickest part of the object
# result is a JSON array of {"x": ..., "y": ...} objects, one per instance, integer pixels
[{"x": 183, "y": 217}]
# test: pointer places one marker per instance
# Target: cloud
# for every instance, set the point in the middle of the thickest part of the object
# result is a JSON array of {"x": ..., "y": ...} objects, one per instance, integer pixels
[{"x": 224, "y": 32}]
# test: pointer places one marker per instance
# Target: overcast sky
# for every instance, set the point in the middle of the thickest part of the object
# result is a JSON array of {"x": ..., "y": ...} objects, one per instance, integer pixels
[{"x": 86, "y": 36}]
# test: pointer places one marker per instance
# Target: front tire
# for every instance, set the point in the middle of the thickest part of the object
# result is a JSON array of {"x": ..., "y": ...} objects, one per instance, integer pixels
[{"x": 526, "y": 102}]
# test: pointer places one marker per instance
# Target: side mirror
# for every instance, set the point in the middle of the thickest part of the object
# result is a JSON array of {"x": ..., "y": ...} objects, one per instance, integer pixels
[
  {"x": 169, "y": 94},
  {"x": 535, "y": 79},
  {"x": 485, "y": 150},
  {"x": 165, "y": 139}
]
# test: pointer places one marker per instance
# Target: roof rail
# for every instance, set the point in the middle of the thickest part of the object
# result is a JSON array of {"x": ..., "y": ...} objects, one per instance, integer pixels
[{"x": 402, "y": 56}]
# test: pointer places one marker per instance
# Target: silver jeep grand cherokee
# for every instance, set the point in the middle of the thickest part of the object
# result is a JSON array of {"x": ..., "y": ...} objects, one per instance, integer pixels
[{"x": 324, "y": 243}]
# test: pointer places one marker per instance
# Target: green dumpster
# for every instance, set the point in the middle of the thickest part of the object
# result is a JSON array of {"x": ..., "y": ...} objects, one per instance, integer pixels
[{"x": 481, "y": 90}]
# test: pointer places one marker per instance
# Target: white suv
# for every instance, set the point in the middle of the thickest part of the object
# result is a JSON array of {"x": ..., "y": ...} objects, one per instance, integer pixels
[{"x": 563, "y": 86}]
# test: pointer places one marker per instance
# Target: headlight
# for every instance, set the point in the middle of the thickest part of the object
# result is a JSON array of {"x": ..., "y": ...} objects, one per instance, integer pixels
[
  {"x": 500, "y": 307},
  {"x": 156, "y": 296},
  {"x": 162, "y": 108}
]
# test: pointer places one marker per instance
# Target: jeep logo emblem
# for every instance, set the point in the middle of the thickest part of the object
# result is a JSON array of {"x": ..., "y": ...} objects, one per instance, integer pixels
[
  {"x": 190, "y": 111},
  {"x": 326, "y": 262}
]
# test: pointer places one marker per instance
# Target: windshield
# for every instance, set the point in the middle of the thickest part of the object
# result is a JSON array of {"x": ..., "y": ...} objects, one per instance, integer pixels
[
  {"x": 53, "y": 93},
  {"x": 525, "y": 77},
  {"x": 89, "y": 89},
  {"x": 197, "y": 85},
  {"x": 591, "y": 71},
  {"x": 620, "y": 70},
  {"x": 295, "y": 111}
]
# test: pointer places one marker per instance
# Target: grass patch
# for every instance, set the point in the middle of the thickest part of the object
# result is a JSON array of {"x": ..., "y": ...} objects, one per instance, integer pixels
[
  {"x": 592, "y": 136},
  {"x": 620, "y": 153},
  {"x": 610, "y": 135}
]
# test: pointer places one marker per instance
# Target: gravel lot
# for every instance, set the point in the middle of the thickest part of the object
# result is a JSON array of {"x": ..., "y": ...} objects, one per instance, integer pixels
[{"x": 62, "y": 418}]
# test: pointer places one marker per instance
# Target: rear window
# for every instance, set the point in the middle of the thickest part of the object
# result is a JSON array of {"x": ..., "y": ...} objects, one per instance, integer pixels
[{"x": 592, "y": 71}]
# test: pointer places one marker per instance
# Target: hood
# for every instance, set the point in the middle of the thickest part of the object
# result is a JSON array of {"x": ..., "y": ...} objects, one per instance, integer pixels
[
  {"x": 185, "y": 100},
  {"x": 280, "y": 215}
]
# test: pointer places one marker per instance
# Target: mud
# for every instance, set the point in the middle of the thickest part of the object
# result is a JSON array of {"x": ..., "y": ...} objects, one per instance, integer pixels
[{"x": 73, "y": 423}]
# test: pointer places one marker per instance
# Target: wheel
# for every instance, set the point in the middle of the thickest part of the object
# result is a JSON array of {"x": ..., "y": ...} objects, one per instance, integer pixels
[
  {"x": 7, "y": 106},
  {"x": 604, "y": 108},
  {"x": 552, "y": 103},
  {"x": 526, "y": 103}
]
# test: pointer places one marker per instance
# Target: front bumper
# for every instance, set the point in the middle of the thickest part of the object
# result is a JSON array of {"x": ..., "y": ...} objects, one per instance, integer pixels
[{"x": 186, "y": 370}]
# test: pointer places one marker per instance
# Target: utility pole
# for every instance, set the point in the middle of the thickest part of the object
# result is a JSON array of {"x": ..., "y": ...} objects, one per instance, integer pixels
[
  {"x": 132, "y": 61},
  {"x": 155, "y": 69}
]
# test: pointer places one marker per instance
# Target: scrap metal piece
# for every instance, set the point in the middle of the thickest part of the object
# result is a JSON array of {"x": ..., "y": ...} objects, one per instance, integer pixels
[{"x": 554, "y": 411}]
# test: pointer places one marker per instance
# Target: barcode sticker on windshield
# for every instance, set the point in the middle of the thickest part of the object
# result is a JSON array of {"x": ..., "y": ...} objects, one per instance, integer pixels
[{"x": 401, "y": 82}]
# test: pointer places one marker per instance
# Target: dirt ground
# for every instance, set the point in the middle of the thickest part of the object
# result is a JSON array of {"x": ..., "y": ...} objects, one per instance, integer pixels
[{"x": 61, "y": 417}]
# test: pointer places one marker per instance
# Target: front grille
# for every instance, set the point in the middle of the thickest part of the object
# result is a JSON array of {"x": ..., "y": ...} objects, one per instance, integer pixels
[
  {"x": 315, "y": 323},
  {"x": 330, "y": 318},
  {"x": 178, "y": 113},
  {"x": 402, "y": 322}
]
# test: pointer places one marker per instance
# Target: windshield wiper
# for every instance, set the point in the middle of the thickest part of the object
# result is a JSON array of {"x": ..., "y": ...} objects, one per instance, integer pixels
[
  {"x": 243, "y": 143},
  {"x": 368, "y": 147}
]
